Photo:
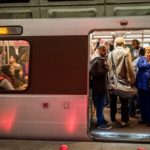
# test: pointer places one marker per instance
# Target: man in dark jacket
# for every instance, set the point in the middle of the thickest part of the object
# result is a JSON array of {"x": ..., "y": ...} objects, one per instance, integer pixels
[
  {"x": 99, "y": 69},
  {"x": 138, "y": 50}
]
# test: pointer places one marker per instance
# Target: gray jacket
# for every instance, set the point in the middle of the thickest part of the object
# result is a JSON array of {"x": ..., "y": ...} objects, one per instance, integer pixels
[
  {"x": 123, "y": 63},
  {"x": 6, "y": 85}
]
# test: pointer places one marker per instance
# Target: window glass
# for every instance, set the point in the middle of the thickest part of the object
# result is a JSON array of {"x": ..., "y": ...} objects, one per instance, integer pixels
[{"x": 14, "y": 64}]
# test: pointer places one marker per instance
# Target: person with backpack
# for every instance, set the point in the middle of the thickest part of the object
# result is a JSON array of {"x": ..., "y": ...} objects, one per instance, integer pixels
[
  {"x": 124, "y": 71},
  {"x": 98, "y": 71}
]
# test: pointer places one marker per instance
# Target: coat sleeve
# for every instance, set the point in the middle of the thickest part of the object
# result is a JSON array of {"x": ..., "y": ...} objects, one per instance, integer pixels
[
  {"x": 6, "y": 85},
  {"x": 142, "y": 63},
  {"x": 129, "y": 66},
  {"x": 99, "y": 69}
]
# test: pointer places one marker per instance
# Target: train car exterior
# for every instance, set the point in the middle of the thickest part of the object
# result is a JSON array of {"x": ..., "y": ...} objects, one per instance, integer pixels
[
  {"x": 59, "y": 82},
  {"x": 55, "y": 103}
]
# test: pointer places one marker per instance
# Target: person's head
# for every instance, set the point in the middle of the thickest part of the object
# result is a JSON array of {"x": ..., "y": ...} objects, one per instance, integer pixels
[
  {"x": 119, "y": 41},
  {"x": 14, "y": 58},
  {"x": 147, "y": 53},
  {"x": 106, "y": 43},
  {"x": 135, "y": 43},
  {"x": 102, "y": 50},
  {"x": 6, "y": 70}
]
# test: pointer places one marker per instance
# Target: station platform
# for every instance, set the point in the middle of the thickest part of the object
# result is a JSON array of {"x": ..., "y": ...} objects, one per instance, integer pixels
[{"x": 55, "y": 145}]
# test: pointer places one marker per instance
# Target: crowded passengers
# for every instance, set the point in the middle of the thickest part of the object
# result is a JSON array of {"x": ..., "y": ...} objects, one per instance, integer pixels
[
  {"x": 13, "y": 75},
  {"x": 130, "y": 66}
]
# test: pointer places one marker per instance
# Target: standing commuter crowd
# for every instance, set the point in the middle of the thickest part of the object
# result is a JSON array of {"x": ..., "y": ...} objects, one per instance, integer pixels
[{"x": 130, "y": 66}]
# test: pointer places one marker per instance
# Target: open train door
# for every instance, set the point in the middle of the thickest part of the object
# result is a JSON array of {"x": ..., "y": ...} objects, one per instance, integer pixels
[{"x": 134, "y": 132}]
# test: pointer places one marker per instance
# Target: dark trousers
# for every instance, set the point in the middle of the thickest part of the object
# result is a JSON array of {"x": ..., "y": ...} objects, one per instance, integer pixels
[
  {"x": 100, "y": 101},
  {"x": 124, "y": 108},
  {"x": 144, "y": 104},
  {"x": 113, "y": 107},
  {"x": 132, "y": 106}
]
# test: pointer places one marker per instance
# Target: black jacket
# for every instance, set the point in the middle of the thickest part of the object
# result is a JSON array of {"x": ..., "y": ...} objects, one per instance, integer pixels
[{"x": 98, "y": 73}]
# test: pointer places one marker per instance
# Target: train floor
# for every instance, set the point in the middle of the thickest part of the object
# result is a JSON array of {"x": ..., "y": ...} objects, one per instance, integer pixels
[
  {"x": 55, "y": 145},
  {"x": 133, "y": 126},
  {"x": 133, "y": 132}
]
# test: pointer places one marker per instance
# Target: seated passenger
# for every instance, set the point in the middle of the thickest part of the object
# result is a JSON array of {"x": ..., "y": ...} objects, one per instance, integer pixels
[
  {"x": 21, "y": 81},
  {"x": 5, "y": 78},
  {"x": 14, "y": 61}
]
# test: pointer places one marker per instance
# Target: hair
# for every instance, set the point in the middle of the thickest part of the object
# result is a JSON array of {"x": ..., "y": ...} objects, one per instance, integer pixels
[
  {"x": 16, "y": 57},
  {"x": 97, "y": 45},
  {"x": 101, "y": 47},
  {"x": 136, "y": 41},
  {"x": 6, "y": 70},
  {"x": 147, "y": 49},
  {"x": 119, "y": 41}
]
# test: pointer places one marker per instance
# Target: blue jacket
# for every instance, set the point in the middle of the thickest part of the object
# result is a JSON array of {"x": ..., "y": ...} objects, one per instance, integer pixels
[{"x": 143, "y": 75}]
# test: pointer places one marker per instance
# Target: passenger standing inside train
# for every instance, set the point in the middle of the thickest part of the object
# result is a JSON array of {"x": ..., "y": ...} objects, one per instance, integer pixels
[
  {"x": 137, "y": 49},
  {"x": 137, "y": 52},
  {"x": 143, "y": 85},
  {"x": 16, "y": 69},
  {"x": 99, "y": 69},
  {"x": 124, "y": 71}
]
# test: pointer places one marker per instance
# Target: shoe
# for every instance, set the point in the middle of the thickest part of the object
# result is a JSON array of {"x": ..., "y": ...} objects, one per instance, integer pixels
[
  {"x": 124, "y": 124},
  {"x": 106, "y": 122},
  {"x": 104, "y": 127},
  {"x": 147, "y": 124},
  {"x": 113, "y": 119},
  {"x": 141, "y": 121},
  {"x": 107, "y": 106},
  {"x": 115, "y": 124},
  {"x": 134, "y": 116}
]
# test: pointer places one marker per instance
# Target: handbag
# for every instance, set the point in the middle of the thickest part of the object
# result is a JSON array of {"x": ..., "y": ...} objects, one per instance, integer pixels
[{"x": 121, "y": 87}]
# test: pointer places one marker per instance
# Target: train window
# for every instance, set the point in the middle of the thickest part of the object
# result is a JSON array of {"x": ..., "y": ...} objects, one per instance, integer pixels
[
  {"x": 14, "y": 65},
  {"x": 14, "y": 1},
  {"x": 125, "y": 118}
]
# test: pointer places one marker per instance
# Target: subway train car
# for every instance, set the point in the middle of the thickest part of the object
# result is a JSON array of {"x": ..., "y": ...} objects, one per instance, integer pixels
[{"x": 50, "y": 97}]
